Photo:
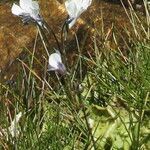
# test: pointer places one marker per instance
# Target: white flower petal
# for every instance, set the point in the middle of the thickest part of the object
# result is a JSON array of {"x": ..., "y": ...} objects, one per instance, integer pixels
[
  {"x": 31, "y": 7},
  {"x": 55, "y": 63},
  {"x": 25, "y": 4},
  {"x": 35, "y": 5},
  {"x": 75, "y": 8},
  {"x": 71, "y": 8},
  {"x": 91, "y": 123},
  {"x": 14, "y": 125},
  {"x": 28, "y": 8},
  {"x": 50, "y": 68},
  {"x": 16, "y": 10},
  {"x": 35, "y": 10},
  {"x": 86, "y": 3},
  {"x": 54, "y": 60}
]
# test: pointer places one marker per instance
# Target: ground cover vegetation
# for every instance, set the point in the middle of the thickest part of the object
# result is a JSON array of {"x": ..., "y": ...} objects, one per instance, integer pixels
[{"x": 106, "y": 106}]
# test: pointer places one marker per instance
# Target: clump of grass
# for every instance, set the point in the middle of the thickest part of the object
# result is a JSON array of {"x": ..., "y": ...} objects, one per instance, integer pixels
[
  {"x": 106, "y": 109},
  {"x": 120, "y": 91}
]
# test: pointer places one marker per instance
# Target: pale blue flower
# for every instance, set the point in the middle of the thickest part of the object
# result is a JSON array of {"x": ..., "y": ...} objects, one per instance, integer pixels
[
  {"x": 55, "y": 63},
  {"x": 28, "y": 10},
  {"x": 75, "y": 8}
]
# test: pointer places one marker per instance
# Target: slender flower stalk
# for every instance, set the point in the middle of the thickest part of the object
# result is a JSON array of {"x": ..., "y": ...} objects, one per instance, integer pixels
[
  {"x": 74, "y": 8},
  {"x": 44, "y": 39},
  {"x": 49, "y": 29},
  {"x": 29, "y": 11}
]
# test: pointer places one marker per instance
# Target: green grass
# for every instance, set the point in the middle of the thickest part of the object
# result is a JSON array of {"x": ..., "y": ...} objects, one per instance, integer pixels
[{"x": 114, "y": 93}]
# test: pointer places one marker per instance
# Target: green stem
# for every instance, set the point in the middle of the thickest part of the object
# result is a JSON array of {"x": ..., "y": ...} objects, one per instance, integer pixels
[{"x": 51, "y": 30}]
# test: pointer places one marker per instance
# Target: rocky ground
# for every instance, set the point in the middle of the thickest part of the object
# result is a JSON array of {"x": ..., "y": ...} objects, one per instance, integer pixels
[{"x": 14, "y": 36}]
